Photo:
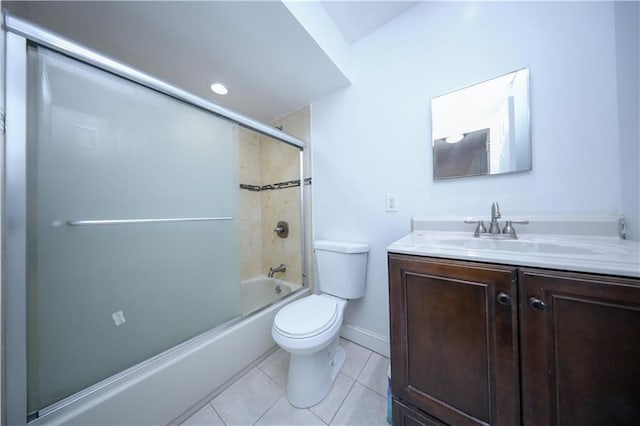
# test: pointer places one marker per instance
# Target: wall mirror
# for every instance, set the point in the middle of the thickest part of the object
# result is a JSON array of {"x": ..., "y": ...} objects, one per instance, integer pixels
[{"x": 483, "y": 129}]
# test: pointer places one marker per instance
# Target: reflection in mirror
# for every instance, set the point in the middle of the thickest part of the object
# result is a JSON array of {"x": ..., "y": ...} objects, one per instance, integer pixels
[{"x": 482, "y": 129}]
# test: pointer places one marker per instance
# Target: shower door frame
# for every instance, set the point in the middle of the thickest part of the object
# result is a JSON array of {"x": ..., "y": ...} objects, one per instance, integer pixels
[{"x": 19, "y": 34}]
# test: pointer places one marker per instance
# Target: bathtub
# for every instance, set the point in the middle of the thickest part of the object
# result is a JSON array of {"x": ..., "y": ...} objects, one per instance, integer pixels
[
  {"x": 173, "y": 385},
  {"x": 261, "y": 291}
]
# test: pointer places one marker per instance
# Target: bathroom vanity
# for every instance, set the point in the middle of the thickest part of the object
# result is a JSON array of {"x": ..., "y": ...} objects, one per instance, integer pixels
[{"x": 543, "y": 330}]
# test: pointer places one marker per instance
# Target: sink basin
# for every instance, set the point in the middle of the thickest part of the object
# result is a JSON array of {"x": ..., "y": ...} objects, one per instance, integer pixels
[
  {"x": 532, "y": 245},
  {"x": 517, "y": 246},
  {"x": 589, "y": 244}
]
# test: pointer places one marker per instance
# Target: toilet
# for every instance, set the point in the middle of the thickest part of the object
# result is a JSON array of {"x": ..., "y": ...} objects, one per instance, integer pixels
[{"x": 309, "y": 328}]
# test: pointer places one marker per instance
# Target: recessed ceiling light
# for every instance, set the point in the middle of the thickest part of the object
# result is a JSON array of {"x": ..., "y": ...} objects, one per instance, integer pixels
[
  {"x": 219, "y": 89},
  {"x": 454, "y": 138}
]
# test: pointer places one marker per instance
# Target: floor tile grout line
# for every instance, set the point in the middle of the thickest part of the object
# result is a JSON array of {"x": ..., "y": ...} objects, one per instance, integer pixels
[
  {"x": 266, "y": 358},
  {"x": 342, "y": 402},
  {"x": 316, "y": 416},
  {"x": 272, "y": 379},
  {"x": 216, "y": 411},
  {"x": 351, "y": 387},
  {"x": 284, "y": 389},
  {"x": 269, "y": 408},
  {"x": 372, "y": 390},
  {"x": 366, "y": 385},
  {"x": 284, "y": 393},
  {"x": 361, "y": 369},
  {"x": 363, "y": 366}
]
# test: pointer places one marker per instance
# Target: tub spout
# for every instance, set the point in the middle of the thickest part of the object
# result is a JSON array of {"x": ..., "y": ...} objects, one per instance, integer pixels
[{"x": 280, "y": 268}]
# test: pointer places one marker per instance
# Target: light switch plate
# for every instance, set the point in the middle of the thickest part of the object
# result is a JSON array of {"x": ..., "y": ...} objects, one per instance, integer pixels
[{"x": 392, "y": 201}]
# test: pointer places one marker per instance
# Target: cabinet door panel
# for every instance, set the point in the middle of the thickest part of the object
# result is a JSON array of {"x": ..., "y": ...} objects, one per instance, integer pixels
[
  {"x": 581, "y": 353},
  {"x": 447, "y": 342},
  {"x": 403, "y": 415},
  {"x": 454, "y": 349}
]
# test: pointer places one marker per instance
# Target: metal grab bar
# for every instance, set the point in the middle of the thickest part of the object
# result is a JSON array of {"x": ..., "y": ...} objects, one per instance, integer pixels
[{"x": 140, "y": 221}]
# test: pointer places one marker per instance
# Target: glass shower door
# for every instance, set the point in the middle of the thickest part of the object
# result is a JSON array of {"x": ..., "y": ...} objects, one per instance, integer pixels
[{"x": 132, "y": 242}]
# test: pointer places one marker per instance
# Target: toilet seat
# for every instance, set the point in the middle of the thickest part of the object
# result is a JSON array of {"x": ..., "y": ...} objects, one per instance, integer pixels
[{"x": 307, "y": 317}]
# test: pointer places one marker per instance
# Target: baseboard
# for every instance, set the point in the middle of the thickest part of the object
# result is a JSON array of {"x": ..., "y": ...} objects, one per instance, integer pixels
[{"x": 370, "y": 340}]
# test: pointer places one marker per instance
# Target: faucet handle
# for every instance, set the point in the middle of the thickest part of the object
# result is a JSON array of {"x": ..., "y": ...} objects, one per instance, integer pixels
[
  {"x": 508, "y": 229},
  {"x": 480, "y": 229}
]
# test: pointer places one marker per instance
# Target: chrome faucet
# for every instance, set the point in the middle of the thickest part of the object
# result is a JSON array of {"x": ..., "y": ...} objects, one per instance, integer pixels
[
  {"x": 494, "y": 232},
  {"x": 281, "y": 268},
  {"x": 494, "y": 228}
]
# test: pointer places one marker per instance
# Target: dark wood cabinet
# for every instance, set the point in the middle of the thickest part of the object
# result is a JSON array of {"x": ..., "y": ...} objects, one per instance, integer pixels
[
  {"x": 404, "y": 415},
  {"x": 580, "y": 349},
  {"x": 454, "y": 347},
  {"x": 477, "y": 343}
]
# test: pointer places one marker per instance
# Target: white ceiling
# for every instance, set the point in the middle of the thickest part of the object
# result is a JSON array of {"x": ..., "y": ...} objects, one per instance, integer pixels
[
  {"x": 267, "y": 59},
  {"x": 356, "y": 19}
]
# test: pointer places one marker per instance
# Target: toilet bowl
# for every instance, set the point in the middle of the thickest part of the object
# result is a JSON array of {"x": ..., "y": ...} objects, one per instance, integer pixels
[
  {"x": 309, "y": 325},
  {"x": 309, "y": 328}
]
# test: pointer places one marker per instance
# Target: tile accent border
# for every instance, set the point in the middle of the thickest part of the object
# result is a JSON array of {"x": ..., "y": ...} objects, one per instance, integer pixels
[{"x": 274, "y": 186}]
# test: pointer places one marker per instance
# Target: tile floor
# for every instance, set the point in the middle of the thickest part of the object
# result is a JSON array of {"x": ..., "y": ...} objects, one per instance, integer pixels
[{"x": 358, "y": 396}]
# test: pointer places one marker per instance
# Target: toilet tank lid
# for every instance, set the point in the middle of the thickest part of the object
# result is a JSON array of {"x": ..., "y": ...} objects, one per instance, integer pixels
[{"x": 341, "y": 246}]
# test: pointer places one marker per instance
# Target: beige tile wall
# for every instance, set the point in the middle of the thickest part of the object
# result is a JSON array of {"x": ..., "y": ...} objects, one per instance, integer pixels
[
  {"x": 264, "y": 161},
  {"x": 250, "y": 215},
  {"x": 280, "y": 163},
  {"x": 287, "y": 203}
]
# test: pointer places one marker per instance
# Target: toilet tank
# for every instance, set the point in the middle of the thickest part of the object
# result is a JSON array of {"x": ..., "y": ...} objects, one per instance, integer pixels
[{"x": 342, "y": 268}]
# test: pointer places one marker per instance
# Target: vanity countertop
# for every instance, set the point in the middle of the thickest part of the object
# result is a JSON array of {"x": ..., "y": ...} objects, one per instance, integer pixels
[{"x": 583, "y": 253}]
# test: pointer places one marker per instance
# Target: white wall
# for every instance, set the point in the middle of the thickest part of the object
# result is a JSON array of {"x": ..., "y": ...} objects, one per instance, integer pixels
[
  {"x": 627, "y": 15},
  {"x": 374, "y": 137}
]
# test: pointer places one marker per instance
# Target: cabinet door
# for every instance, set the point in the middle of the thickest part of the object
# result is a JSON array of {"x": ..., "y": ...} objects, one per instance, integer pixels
[
  {"x": 580, "y": 341},
  {"x": 404, "y": 415},
  {"x": 454, "y": 347}
]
